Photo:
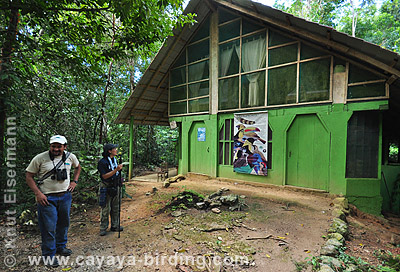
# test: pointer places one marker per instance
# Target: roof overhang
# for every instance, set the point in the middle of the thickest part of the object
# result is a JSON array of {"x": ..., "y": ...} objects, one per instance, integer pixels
[{"x": 148, "y": 103}]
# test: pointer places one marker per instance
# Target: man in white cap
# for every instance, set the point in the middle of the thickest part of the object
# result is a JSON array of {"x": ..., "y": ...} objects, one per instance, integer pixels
[{"x": 53, "y": 195}]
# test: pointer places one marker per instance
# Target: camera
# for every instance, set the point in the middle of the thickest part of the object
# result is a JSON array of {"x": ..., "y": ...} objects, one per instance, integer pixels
[{"x": 60, "y": 174}]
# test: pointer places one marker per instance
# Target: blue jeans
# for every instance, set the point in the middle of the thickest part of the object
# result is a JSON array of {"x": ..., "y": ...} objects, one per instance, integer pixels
[{"x": 54, "y": 222}]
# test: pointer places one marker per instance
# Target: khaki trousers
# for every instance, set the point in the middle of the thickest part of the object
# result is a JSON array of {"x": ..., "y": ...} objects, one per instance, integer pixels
[{"x": 111, "y": 209}]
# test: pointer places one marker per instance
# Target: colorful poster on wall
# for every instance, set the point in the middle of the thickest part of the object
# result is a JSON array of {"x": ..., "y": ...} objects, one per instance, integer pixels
[
  {"x": 201, "y": 134},
  {"x": 251, "y": 143}
]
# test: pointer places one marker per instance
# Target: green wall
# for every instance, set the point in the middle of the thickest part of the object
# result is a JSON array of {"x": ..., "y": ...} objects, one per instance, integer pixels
[
  {"x": 365, "y": 193},
  {"x": 390, "y": 175}
]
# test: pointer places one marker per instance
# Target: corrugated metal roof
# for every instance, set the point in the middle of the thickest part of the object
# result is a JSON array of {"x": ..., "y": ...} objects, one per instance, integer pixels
[{"x": 148, "y": 103}]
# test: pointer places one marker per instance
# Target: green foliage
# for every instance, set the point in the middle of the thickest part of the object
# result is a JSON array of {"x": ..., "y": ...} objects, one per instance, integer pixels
[
  {"x": 57, "y": 79},
  {"x": 389, "y": 261},
  {"x": 314, "y": 262},
  {"x": 184, "y": 200},
  {"x": 320, "y": 11},
  {"x": 376, "y": 24}
]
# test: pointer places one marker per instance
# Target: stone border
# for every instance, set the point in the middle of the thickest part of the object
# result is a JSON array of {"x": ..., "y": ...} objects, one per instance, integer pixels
[{"x": 337, "y": 234}]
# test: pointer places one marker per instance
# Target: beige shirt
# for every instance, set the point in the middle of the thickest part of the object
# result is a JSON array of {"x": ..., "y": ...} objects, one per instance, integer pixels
[{"x": 41, "y": 164}]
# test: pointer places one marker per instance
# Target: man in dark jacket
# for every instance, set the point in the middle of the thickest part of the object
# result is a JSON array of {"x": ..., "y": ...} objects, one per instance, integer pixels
[{"x": 109, "y": 196}]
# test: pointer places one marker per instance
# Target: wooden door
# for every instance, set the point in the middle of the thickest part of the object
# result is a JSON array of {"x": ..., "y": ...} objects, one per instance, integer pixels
[{"x": 308, "y": 147}]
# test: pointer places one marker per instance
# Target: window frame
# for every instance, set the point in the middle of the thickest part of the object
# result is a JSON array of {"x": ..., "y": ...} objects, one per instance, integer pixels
[
  {"x": 348, "y": 84},
  {"x": 240, "y": 74},
  {"x": 187, "y": 83}
]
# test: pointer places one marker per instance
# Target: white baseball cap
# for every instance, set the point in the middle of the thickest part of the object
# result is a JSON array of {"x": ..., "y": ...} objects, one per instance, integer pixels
[{"x": 58, "y": 139}]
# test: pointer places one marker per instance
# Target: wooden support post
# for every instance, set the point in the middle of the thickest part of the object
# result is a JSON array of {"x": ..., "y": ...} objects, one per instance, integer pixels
[{"x": 131, "y": 128}]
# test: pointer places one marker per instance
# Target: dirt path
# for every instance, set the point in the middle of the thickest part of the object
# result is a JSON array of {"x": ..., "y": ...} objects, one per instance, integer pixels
[{"x": 295, "y": 222}]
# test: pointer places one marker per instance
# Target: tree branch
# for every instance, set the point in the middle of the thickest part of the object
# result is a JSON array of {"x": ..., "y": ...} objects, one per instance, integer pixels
[{"x": 21, "y": 7}]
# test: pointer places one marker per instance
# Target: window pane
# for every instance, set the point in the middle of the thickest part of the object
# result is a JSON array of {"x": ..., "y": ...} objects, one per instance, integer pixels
[
  {"x": 232, "y": 153},
  {"x": 308, "y": 52},
  {"x": 393, "y": 151},
  {"x": 198, "y": 105},
  {"x": 362, "y": 145},
  {"x": 250, "y": 26},
  {"x": 221, "y": 153},
  {"x": 228, "y": 93},
  {"x": 178, "y": 76},
  {"x": 269, "y": 134},
  {"x": 177, "y": 93},
  {"x": 225, "y": 16},
  {"x": 253, "y": 52},
  {"x": 282, "y": 85},
  {"x": 253, "y": 90},
  {"x": 181, "y": 60},
  {"x": 227, "y": 129},
  {"x": 282, "y": 55},
  {"x": 178, "y": 108},
  {"x": 232, "y": 132},
  {"x": 269, "y": 160},
  {"x": 198, "y": 89},
  {"x": 221, "y": 133},
  {"x": 228, "y": 58},
  {"x": 227, "y": 152},
  {"x": 198, "y": 71},
  {"x": 276, "y": 39},
  {"x": 198, "y": 51},
  {"x": 366, "y": 90},
  {"x": 203, "y": 32},
  {"x": 357, "y": 74},
  {"x": 314, "y": 80},
  {"x": 229, "y": 31}
]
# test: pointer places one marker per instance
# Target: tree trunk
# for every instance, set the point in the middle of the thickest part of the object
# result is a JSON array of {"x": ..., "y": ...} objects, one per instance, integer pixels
[
  {"x": 5, "y": 64},
  {"x": 103, "y": 129},
  {"x": 354, "y": 18}
]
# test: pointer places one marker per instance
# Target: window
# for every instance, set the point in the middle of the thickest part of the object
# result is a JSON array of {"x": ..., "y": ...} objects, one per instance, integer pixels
[
  {"x": 189, "y": 76},
  {"x": 363, "y": 83},
  {"x": 260, "y": 67},
  {"x": 226, "y": 144},
  {"x": 393, "y": 150},
  {"x": 362, "y": 145}
]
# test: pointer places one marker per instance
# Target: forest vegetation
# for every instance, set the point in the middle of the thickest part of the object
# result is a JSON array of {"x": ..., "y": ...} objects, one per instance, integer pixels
[{"x": 68, "y": 67}]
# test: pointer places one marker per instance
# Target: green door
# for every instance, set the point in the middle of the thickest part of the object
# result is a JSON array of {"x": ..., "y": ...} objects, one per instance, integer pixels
[
  {"x": 199, "y": 148},
  {"x": 308, "y": 146}
]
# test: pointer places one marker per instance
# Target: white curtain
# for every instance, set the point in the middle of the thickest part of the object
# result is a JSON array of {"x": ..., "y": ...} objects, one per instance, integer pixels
[
  {"x": 225, "y": 57},
  {"x": 253, "y": 58}
]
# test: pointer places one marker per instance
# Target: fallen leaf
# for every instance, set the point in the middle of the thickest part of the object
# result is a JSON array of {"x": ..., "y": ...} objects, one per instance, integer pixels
[
  {"x": 66, "y": 269},
  {"x": 267, "y": 256},
  {"x": 287, "y": 233},
  {"x": 280, "y": 237}
]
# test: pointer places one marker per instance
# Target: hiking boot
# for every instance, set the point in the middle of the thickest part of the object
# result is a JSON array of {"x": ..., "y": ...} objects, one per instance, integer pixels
[
  {"x": 116, "y": 229},
  {"x": 103, "y": 232},
  {"x": 64, "y": 251}
]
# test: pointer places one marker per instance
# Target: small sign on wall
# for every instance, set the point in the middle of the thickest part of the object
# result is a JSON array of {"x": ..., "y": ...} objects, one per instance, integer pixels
[{"x": 201, "y": 134}]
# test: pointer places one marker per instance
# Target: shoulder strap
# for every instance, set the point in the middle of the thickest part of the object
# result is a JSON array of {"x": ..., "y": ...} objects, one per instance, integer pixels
[{"x": 48, "y": 174}]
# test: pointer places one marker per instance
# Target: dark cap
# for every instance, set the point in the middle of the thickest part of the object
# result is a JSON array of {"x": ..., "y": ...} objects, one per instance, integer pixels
[{"x": 108, "y": 147}]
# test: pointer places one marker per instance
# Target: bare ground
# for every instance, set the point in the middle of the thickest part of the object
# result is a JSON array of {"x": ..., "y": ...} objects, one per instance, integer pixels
[{"x": 277, "y": 232}]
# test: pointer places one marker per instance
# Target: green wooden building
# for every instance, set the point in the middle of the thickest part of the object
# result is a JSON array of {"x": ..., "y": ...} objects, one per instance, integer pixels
[{"x": 332, "y": 100}]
